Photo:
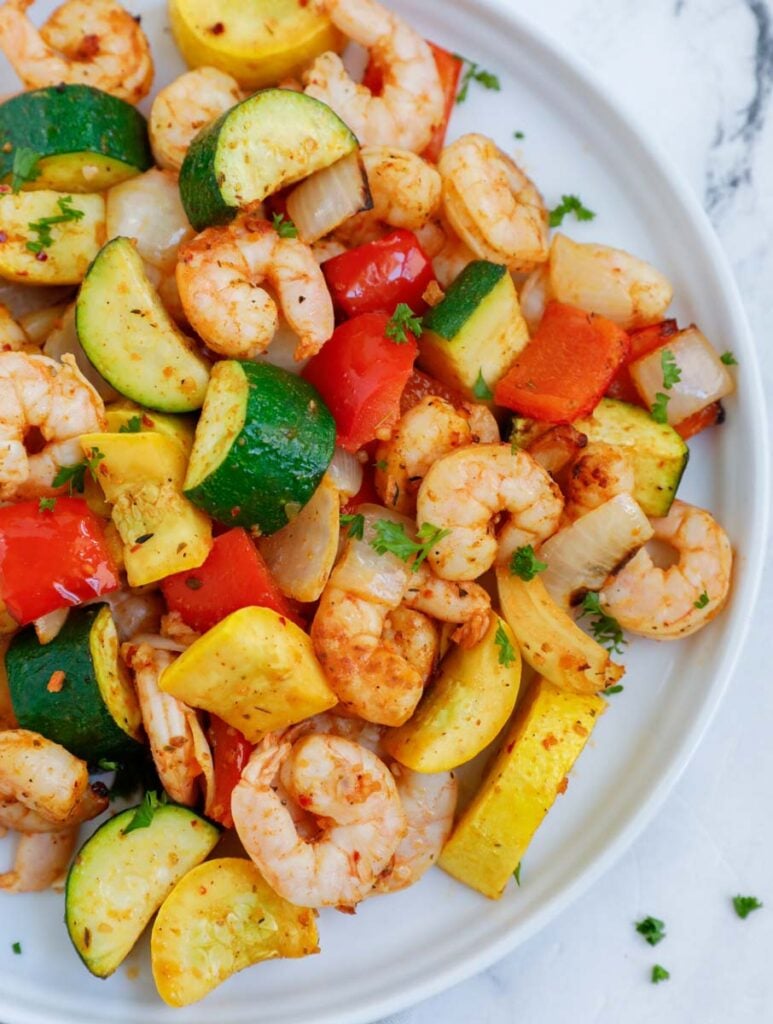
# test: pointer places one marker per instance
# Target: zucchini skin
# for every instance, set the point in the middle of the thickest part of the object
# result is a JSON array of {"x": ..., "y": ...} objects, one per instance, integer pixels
[
  {"x": 199, "y": 187},
  {"x": 76, "y": 716},
  {"x": 74, "y": 119},
  {"x": 277, "y": 458},
  {"x": 463, "y": 297}
]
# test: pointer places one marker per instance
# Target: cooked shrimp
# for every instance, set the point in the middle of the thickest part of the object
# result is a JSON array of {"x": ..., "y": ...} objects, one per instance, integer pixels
[
  {"x": 601, "y": 471},
  {"x": 557, "y": 447},
  {"x": 447, "y": 601},
  {"x": 36, "y": 391},
  {"x": 182, "y": 109},
  {"x": 219, "y": 275},
  {"x": 667, "y": 604},
  {"x": 414, "y": 636},
  {"x": 41, "y": 861},
  {"x": 411, "y": 102},
  {"x": 170, "y": 726},
  {"x": 429, "y": 802},
  {"x": 355, "y": 799},
  {"x": 492, "y": 205},
  {"x": 465, "y": 490},
  {"x": 47, "y": 779},
  {"x": 12, "y": 336},
  {"x": 91, "y": 42},
  {"x": 428, "y": 430},
  {"x": 174, "y": 628},
  {"x": 448, "y": 252},
  {"x": 405, "y": 190}
]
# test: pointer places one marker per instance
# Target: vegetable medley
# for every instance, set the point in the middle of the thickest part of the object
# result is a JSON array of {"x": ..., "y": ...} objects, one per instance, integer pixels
[{"x": 317, "y": 453}]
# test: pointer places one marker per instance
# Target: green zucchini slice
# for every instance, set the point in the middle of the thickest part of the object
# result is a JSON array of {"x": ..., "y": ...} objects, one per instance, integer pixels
[
  {"x": 262, "y": 445},
  {"x": 95, "y": 712},
  {"x": 87, "y": 140},
  {"x": 119, "y": 879},
  {"x": 270, "y": 140},
  {"x": 130, "y": 338}
]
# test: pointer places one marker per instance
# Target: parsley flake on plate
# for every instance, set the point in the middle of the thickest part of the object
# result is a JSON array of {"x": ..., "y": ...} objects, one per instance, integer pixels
[
  {"x": 569, "y": 204},
  {"x": 659, "y": 974},
  {"x": 652, "y": 930},
  {"x": 744, "y": 905},
  {"x": 475, "y": 73}
]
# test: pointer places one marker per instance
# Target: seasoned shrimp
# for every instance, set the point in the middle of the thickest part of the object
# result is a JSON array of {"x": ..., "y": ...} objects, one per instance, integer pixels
[
  {"x": 429, "y": 802},
  {"x": 12, "y": 336},
  {"x": 414, "y": 636},
  {"x": 411, "y": 102},
  {"x": 41, "y": 861},
  {"x": 46, "y": 779},
  {"x": 89, "y": 42},
  {"x": 448, "y": 601},
  {"x": 667, "y": 604},
  {"x": 180, "y": 752},
  {"x": 465, "y": 490},
  {"x": 354, "y": 796},
  {"x": 370, "y": 672},
  {"x": 448, "y": 252},
  {"x": 405, "y": 190},
  {"x": 428, "y": 430},
  {"x": 557, "y": 447},
  {"x": 182, "y": 109},
  {"x": 600, "y": 472},
  {"x": 36, "y": 391},
  {"x": 492, "y": 205},
  {"x": 219, "y": 274}
]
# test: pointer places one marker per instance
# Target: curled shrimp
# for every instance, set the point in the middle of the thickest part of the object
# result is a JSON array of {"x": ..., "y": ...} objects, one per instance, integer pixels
[
  {"x": 41, "y": 861},
  {"x": 88, "y": 42},
  {"x": 411, "y": 102},
  {"x": 429, "y": 802},
  {"x": 667, "y": 604},
  {"x": 36, "y": 391},
  {"x": 465, "y": 490},
  {"x": 599, "y": 473},
  {"x": 430, "y": 429},
  {"x": 414, "y": 636},
  {"x": 376, "y": 675},
  {"x": 46, "y": 779},
  {"x": 353, "y": 795},
  {"x": 180, "y": 751},
  {"x": 405, "y": 190},
  {"x": 219, "y": 274},
  {"x": 493, "y": 207},
  {"x": 182, "y": 109}
]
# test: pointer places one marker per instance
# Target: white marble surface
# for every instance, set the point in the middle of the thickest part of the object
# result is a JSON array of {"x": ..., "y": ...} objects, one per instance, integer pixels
[{"x": 698, "y": 76}]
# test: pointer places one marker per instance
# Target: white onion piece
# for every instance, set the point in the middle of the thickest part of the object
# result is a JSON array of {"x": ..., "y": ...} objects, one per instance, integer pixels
[
  {"x": 281, "y": 351},
  {"x": 38, "y": 323},
  {"x": 23, "y": 298},
  {"x": 329, "y": 197},
  {"x": 581, "y": 556},
  {"x": 704, "y": 377},
  {"x": 47, "y": 627},
  {"x": 64, "y": 339},
  {"x": 364, "y": 572},
  {"x": 607, "y": 281},
  {"x": 534, "y": 297},
  {"x": 301, "y": 555},
  {"x": 345, "y": 472},
  {"x": 148, "y": 209}
]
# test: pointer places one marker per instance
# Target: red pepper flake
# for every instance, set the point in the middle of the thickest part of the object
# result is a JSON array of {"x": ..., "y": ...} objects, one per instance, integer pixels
[
  {"x": 41, "y": 257},
  {"x": 549, "y": 741},
  {"x": 3, "y": 236},
  {"x": 217, "y": 29},
  {"x": 56, "y": 682},
  {"x": 580, "y": 729},
  {"x": 561, "y": 787}
]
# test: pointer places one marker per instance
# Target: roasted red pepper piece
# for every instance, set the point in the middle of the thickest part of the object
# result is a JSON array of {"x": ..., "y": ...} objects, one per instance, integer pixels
[
  {"x": 701, "y": 420},
  {"x": 421, "y": 385},
  {"x": 566, "y": 367},
  {"x": 52, "y": 557},
  {"x": 230, "y": 753},
  {"x": 643, "y": 341}
]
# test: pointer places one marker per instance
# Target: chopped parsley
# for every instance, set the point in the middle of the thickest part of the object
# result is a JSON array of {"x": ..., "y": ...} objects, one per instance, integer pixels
[
  {"x": 391, "y": 537},
  {"x": 25, "y": 167},
  {"x": 613, "y": 689},
  {"x": 16, "y": 947},
  {"x": 47, "y": 504},
  {"x": 569, "y": 204},
  {"x": 403, "y": 320},
  {"x": 744, "y": 905},
  {"x": 42, "y": 227},
  {"x": 356, "y": 524},
  {"x": 475, "y": 73},
  {"x": 132, "y": 426},
  {"x": 283, "y": 226},
  {"x": 518, "y": 135},
  {"x": 146, "y": 811},
  {"x": 382, "y": 465},
  {"x": 107, "y": 766},
  {"x": 605, "y": 629},
  {"x": 75, "y": 476},
  {"x": 481, "y": 390},
  {"x": 702, "y": 601},
  {"x": 672, "y": 374},
  {"x": 652, "y": 930},
  {"x": 659, "y": 974},
  {"x": 517, "y": 875},
  {"x": 659, "y": 410},
  {"x": 507, "y": 654},
  {"x": 728, "y": 359},
  {"x": 525, "y": 564}
]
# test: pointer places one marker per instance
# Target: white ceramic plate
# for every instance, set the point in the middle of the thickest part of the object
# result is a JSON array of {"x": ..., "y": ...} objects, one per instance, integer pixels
[{"x": 403, "y": 948}]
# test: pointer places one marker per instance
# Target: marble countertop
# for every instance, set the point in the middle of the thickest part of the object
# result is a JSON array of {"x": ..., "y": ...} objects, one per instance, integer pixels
[{"x": 698, "y": 76}]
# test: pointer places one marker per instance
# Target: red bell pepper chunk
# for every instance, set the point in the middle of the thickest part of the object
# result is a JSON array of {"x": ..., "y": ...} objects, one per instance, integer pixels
[
  {"x": 566, "y": 367},
  {"x": 709, "y": 416},
  {"x": 230, "y": 753},
  {"x": 52, "y": 558},
  {"x": 643, "y": 341},
  {"x": 360, "y": 374},
  {"x": 234, "y": 576},
  {"x": 421, "y": 385},
  {"x": 377, "y": 276}
]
